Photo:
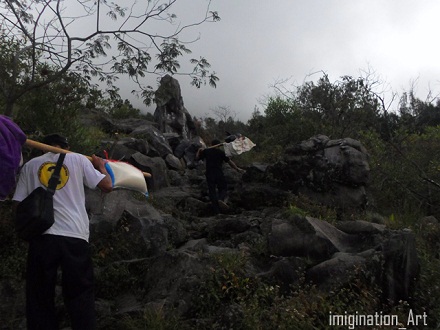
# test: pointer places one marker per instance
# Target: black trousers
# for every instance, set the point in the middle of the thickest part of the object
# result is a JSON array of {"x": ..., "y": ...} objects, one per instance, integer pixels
[
  {"x": 216, "y": 181},
  {"x": 46, "y": 254}
]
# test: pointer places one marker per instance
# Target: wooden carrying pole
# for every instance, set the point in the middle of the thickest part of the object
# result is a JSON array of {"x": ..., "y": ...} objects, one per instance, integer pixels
[
  {"x": 48, "y": 148},
  {"x": 215, "y": 145}
]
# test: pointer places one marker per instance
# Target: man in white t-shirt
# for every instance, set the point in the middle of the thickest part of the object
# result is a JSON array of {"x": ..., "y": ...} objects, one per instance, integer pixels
[{"x": 65, "y": 244}]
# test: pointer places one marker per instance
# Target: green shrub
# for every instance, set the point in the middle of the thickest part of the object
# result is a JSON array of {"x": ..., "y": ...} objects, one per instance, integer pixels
[{"x": 13, "y": 252}]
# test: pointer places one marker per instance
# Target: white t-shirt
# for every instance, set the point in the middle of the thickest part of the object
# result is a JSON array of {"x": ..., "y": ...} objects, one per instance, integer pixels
[{"x": 71, "y": 217}]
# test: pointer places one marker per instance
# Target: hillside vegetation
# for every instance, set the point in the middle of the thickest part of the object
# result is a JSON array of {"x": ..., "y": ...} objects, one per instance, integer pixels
[{"x": 404, "y": 148}]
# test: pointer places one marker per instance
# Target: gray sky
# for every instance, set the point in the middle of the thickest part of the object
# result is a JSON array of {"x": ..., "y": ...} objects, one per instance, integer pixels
[{"x": 258, "y": 42}]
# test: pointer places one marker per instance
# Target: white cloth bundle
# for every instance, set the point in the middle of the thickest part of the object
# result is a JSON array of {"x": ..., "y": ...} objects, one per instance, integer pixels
[
  {"x": 126, "y": 176},
  {"x": 238, "y": 146}
]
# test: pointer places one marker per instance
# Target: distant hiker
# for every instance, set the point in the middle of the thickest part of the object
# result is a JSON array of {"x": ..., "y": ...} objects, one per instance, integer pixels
[
  {"x": 214, "y": 157},
  {"x": 11, "y": 140},
  {"x": 65, "y": 244}
]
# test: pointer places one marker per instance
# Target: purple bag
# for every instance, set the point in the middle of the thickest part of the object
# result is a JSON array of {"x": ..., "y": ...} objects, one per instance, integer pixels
[{"x": 11, "y": 140}]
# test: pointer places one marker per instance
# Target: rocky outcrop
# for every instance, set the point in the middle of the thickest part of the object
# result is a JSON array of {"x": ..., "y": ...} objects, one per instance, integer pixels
[
  {"x": 175, "y": 239},
  {"x": 155, "y": 253},
  {"x": 332, "y": 172},
  {"x": 171, "y": 114}
]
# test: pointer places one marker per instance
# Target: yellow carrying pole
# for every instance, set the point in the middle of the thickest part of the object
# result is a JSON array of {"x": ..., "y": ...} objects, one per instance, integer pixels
[
  {"x": 215, "y": 145},
  {"x": 48, "y": 148}
]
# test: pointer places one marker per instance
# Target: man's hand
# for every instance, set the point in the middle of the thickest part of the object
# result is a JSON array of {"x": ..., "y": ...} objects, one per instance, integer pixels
[
  {"x": 98, "y": 163},
  {"x": 105, "y": 184}
]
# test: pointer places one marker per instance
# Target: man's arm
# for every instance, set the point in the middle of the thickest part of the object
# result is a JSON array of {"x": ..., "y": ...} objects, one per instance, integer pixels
[
  {"x": 234, "y": 166},
  {"x": 199, "y": 153},
  {"x": 106, "y": 183}
]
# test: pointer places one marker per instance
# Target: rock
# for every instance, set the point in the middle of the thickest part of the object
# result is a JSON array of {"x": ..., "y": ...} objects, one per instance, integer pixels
[
  {"x": 173, "y": 162},
  {"x": 177, "y": 179},
  {"x": 170, "y": 114},
  {"x": 174, "y": 277},
  {"x": 179, "y": 150},
  {"x": 427, "y": 223},
  {"x": 158, "y": 143},
  {"x": 401, "y": 266},
  {"x": 125, "y": 126},
  {"x": 190, "y": 153},
  {"x": 108, "y": 208},
  {"x": 225, "y": 228},
  {"x": 255, "y": 173},
  {"x": 336, "y": 271},
  {"x": 194, "y": 206},
  {"x": 127, "y": 303},
  {"x": 177, "y": 233},
  {"x": 196, "y": 245},
  {"x": 255, "y": 196},
  {"x": 156, "y": 166},
  {"x": 286, "y": 270},
  {"x": 331, "y": 172},
  {"x": 307, "y": 237},
  {"x": 360, "y": 227}
]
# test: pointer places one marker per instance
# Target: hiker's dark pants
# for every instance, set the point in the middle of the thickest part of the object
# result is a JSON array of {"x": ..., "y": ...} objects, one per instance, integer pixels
[
  {"x": 45, "y": 255},
  {"x": 216, "y": 181}
]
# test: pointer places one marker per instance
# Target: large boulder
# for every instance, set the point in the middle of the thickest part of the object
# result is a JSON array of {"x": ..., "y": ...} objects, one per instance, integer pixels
[
  {"x": 124, "y": 148},
  {"x": 307, "y": 237},
  {"x": 156, "y": 166},
  {"x": 173, "y": 162},
  {"x": 187, "y": 149},
  {"x": 255, "y": 196},
  {"x": 332, "y": 172},
  {"x": 159, "y": 145},
  {"x": 387, "y": 257},
  {"x": 125, "y": 126},
  {"x": 170, "y": 114},
  {"x": 339, "y": 270}
]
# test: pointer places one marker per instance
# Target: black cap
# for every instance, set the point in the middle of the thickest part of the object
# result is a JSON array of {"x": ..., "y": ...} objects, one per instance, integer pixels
[{"x": 56, "y": 139}]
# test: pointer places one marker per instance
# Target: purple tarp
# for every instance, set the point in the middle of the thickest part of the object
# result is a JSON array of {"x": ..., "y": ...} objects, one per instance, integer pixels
[{"x": 11, "y": 140}]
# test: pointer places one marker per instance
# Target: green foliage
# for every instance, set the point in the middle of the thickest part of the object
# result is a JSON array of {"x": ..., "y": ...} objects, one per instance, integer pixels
[
  {"x": 222, "y": 127},
  {"x": 29, "y": 43},
  {"x": 12, "y": 249},
  {"x": 303, "y": 206},
  {"x": 13, "y": 252},
  {"x": 282, "y": 125},
  {"x": 109, "y": 252},
  {"x": 405, "y": 172},
  {"x": 14, "y": 59},
  {"x": 260, "y": 305},
  {"x": 342, "y": 108},
  {"x": 56, "y": 108},
  {"x": 226, "y": 284},
  {"x": 150, "y": 319},
  {"x": 427, "y": 298},
  {"x": 123, "y": 110}
]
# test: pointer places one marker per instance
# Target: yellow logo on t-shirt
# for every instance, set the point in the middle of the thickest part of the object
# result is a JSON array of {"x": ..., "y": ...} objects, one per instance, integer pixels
[{"x": 46, "y": 170}]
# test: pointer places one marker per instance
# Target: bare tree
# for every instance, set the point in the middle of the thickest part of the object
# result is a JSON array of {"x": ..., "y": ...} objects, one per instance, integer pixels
[
  {"x": 96, "y": 38},
  {"x": 379, "y": 87},
  {"x": 224, "y": 113}
]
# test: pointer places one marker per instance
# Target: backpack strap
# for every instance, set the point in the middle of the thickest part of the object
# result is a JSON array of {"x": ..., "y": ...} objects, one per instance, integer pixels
[{"x": 55, "y": 177}]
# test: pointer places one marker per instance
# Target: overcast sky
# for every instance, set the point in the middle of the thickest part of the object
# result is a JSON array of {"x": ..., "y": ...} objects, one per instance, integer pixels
[{"x": 258, "y": 42}]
